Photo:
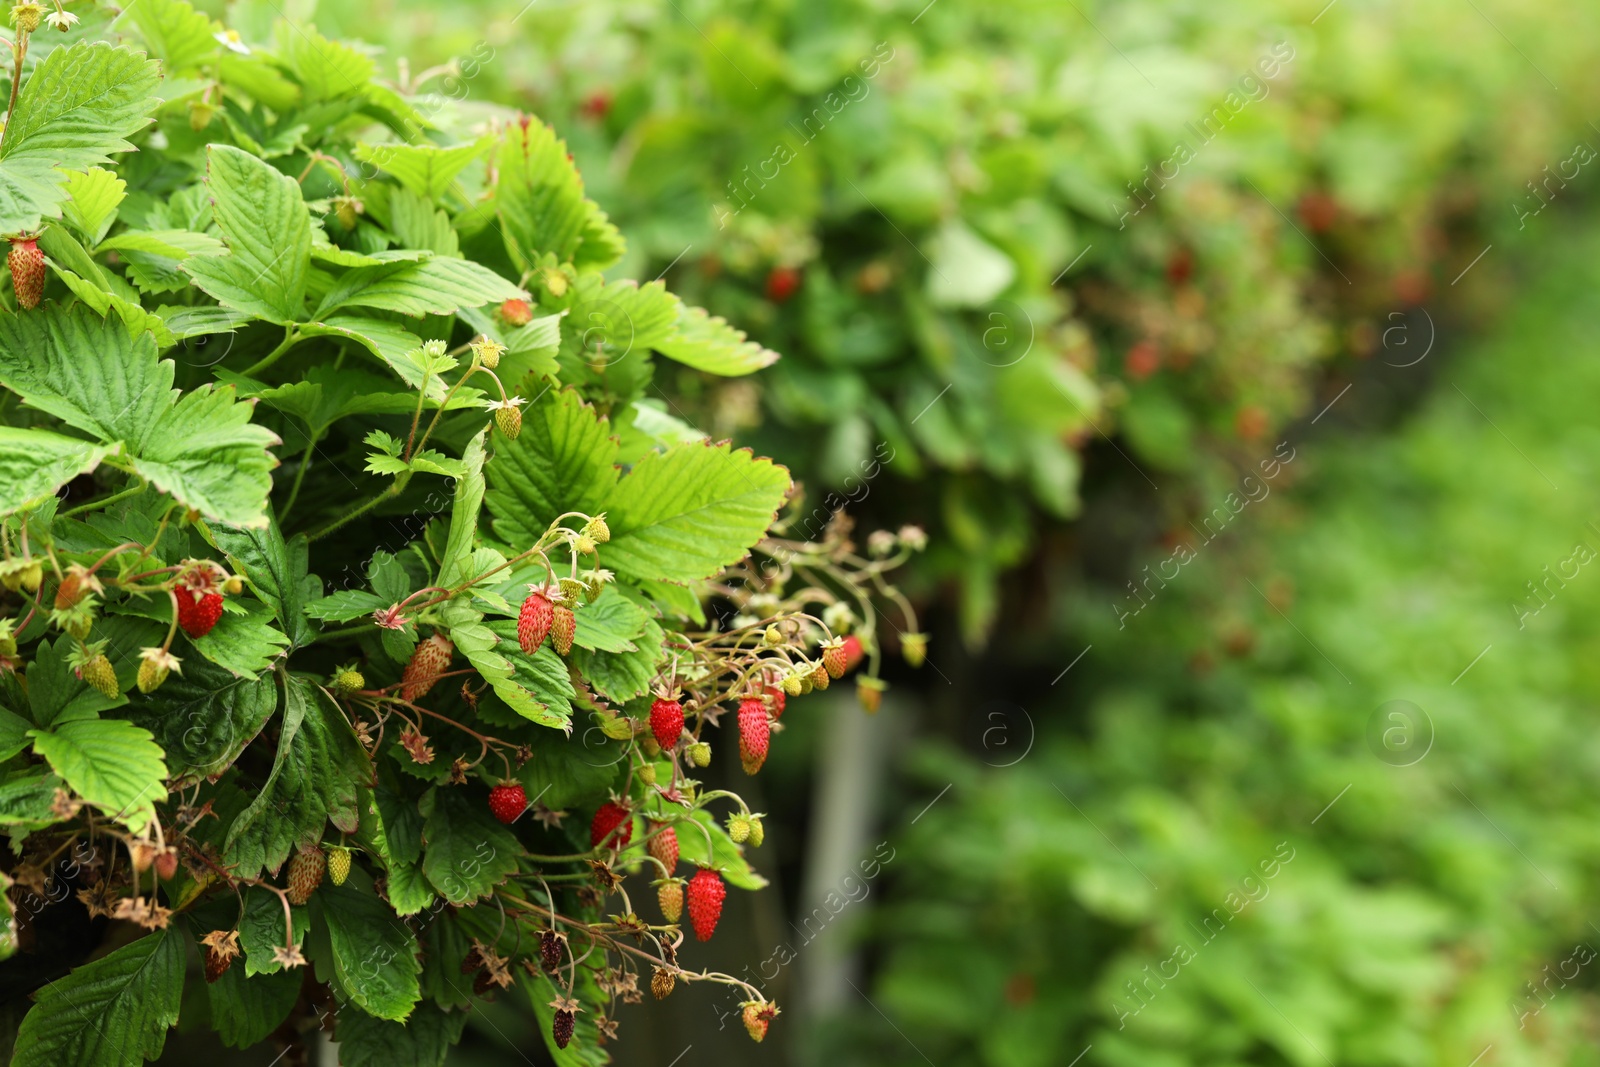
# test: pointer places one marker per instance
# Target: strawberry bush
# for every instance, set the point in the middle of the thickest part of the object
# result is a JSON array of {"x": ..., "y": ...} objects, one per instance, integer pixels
[{"x": 368, "y": 616}]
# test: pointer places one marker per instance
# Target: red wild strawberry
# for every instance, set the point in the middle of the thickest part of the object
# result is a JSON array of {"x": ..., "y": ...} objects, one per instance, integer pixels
[
  {"x": 706, "y": 892},
  {"x": 516, "y": 312},
  {"x": 430, "y": 659},
  {"x": 198, "y": 612},
  {"x": 1180, "y": 266},
  {"x": 1142, "y": 360},
  {"x": 1251, "y": 422},
  {"x": 853, "y": 652},
  {"x": 781, "y": 284},
  {"x": 507, "y": 801},
  {"x": 27, "y": 271},
  {"x": 597, "y": 104},
  {"x": 563, "y": 626},
  {"x": 754, "y": 733},
  {"x": 611, "y": 817},
  {"x": 1318, "y": 211},
  {"x": 533, "y": 622},
  {"x": 664, "y": 846},
  {"x": 666, "y": 722}
]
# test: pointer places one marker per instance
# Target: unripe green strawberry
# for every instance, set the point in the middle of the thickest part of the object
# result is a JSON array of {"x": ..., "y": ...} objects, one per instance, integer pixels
[
  {"x": 99, "y": 673},
  {"x": 347, "y": 209},
  {"x": 31, "y": 577},
  {"x": 154, "y": 665},
  {"x": 669, "y": 894},
  {"x": 509, "y": 421},
  {"x": 758, "y": 833},
  {"x": 584, "y": 544},
  {"x": 914, "y": 649},
  {"x": 349, "y": 680},
  {"x": 200, "y": 114},
  {"x": 338, "y": 864},
  {"x": 27, "y": 17},
  {"x": 573, "y": 589},
  {"x": 794, "y": 683},
  {"x": 305, "y": 874},
  {"x": 739, "y": 828},
  {"x": 597, "y": 530},
  {"x": 25, "y": 259},
  {"x": 700, "y": 754},
  {"x": 563, "y": 625},
  {"x": 647, "y": 774},
  {"x": 869, "y": 691}
]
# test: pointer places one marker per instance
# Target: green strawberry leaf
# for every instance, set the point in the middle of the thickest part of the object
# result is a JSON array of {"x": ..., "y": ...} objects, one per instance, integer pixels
[
  {"x": 175, "y": 32},
  {"x": 683, "y": 514},
  {"x": 110, "y": 763},
  {"x": 374, "y": 954},
  {"x": 424, "y": 170},
  {"x": 706, "y": 342},
  {"x": 439, "y": 285},
  {"x": 263, "y": 219},
  {"x": 564, "y": 460},
  {"x": 75, "y": 111},
  {"x": 87, "y": 371},
  {"x": 93, "y": 197},
  {"x": 204, "y": 717},
  {"x": 466, "y": 851},
  {"x": 245, "y": 1009},
  {"x": 539, "y": 195},
  {"x": 313, "y": 780},
  {"x": 113, "y": 1012},
  {"x": 34, "y": 464},
  {"x": 261, "y": 929},
  {"x": 274, "y": 570},
  {"x": 424, "y": 1040}
]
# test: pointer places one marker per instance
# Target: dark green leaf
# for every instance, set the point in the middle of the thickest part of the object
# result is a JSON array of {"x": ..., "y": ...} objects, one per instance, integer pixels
[{"x": 113, "y": 1012}]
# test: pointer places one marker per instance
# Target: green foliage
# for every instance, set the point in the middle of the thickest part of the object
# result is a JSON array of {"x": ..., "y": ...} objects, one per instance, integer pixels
[
  {"x": 1347, "y": 884},
  {"x": 265, "y": 533},
  {"x": 971, "y": 231},
  {"x": 114, "y": 1011}
]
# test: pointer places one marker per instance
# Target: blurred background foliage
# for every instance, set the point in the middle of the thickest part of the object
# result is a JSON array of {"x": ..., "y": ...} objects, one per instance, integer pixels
[{"x": 1052, "y": 278}]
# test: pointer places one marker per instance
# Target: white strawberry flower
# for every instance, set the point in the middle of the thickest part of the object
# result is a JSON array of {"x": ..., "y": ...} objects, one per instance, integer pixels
[{"x": 230, "y": 40}]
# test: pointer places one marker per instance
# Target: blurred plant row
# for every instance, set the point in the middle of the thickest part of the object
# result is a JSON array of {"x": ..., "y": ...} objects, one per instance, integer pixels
[
  {"x": 1364, "y": 837},
  {"x": 986, "y": 237}
]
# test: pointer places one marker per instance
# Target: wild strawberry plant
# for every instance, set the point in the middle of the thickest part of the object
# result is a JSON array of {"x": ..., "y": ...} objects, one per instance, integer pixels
[{"x": 355, "y": 591}]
